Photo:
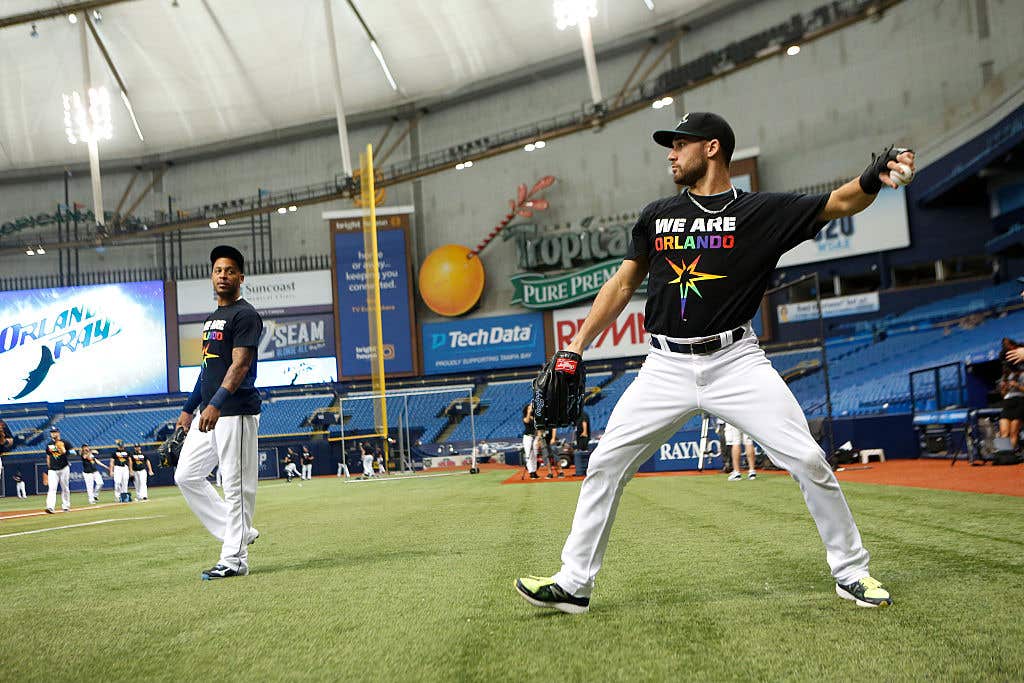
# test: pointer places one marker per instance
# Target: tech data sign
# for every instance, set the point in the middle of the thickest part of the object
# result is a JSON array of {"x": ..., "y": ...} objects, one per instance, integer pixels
[
  {"x": 510, "y": 341},
  {"x": 624, "y": 338}
]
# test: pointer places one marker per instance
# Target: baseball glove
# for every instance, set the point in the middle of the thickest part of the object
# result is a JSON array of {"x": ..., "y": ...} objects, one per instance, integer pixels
[
  {"x": 170, "y": 450},
  {"x": 558, "y": 391}
]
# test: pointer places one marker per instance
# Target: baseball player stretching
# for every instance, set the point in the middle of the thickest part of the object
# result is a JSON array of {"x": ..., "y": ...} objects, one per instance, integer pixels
[
  {"x": 229, "y": 420},
  {"x": 119, "y": 464},
  {"x": 710, "y": 251},
  {"x": 92, "y": 476}
]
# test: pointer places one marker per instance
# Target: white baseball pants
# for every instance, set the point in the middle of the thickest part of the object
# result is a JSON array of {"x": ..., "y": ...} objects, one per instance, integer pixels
[
  {"x": 21, "y": 490},
  {"x": 531, "y": 455},
  {"x": 54, "y": 478},
  {"x": 739, "y": 385},
  {"x": 231, "y": 446},
  {"x": 93, "y": 484},
  {"x": 368, "y": 465},
  {"x": 290, "y": 469},
  {"x": 141, "y": 477},
  {"x": 735, "y": 436},
  {"x": 120, "y": 481},
  {"x": 342, "y": 467},
  {"x": 307, "y": 471}
]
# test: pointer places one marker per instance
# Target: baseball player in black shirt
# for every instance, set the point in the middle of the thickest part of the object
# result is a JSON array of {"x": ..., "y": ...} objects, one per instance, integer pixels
[
  {"x": 142, "y": 469},
  {"x": 307, "y": 463},
  {"x": 6, "y": 444},
  {"x": 19, "y": 485},
  {"x": 709, "y": 252},
  {"x": 90, "y": 473},
  {"x": 58, "y": 471},
  {"x": 226, "y": 435},
  {"x": 119, "y": 470}
]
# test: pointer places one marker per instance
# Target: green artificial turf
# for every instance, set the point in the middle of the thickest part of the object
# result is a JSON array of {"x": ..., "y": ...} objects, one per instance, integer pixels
[{"x": 412, "y": 580}]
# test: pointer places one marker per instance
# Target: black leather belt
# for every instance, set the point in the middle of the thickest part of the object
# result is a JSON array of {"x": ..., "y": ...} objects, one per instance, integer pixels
[{"x": 700, "y": 347}]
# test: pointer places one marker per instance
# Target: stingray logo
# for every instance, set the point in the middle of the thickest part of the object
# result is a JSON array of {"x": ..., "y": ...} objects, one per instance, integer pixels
[{"x": 71, "y": 330}]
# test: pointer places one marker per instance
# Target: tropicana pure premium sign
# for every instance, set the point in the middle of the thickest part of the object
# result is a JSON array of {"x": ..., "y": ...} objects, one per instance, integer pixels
[{"x": 587, "y": 256}]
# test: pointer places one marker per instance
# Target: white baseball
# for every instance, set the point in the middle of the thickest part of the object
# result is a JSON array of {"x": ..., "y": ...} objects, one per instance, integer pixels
[{"x": 901, "y": 175}]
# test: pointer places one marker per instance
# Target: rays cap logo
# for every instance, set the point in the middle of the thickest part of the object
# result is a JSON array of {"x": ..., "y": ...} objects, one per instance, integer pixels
[{"x": 703, "y": 125}]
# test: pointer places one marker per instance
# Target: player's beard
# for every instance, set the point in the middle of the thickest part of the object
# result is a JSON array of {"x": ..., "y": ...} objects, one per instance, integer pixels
[{"x": 691, "y": 174}]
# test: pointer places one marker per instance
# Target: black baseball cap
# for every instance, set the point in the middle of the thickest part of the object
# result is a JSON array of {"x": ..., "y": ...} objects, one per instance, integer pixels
[
  {"x": 225, "y": 251},
  {"x": 703, "y": 125}
]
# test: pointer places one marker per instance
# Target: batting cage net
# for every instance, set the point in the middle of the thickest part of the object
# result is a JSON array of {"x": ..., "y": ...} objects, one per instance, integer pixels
[{"x": 411, "y": 419}]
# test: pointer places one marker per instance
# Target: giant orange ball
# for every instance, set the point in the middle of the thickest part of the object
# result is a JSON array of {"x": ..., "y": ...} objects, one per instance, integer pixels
[{"x": 451, "y": 280}]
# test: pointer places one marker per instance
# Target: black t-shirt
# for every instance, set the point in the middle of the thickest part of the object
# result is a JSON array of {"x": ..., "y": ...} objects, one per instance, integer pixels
[
  {"x": 235, "y": 325},
  {"x": 17, "y": 478},
  {"x": 58, "y": 460},
  {"x": 722, "y": 262},
  {"x": 88, "y": 463},
  {"x": 120, "y": 458},
  {"x": 529, "y": 429},
  {"x": 307, "y": 458},
  {"x": 5, "y": 433},
  {"x": 138, "y": 461}
]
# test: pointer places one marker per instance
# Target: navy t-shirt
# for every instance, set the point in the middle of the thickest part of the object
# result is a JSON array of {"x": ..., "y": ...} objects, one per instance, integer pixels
[
  {"x": 235, "y": 325},
  {"x": 710, "y": 269}
]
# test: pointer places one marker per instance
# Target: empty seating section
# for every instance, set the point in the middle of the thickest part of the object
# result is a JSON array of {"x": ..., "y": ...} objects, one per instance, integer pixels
[
  {"x": 787, "y": 361},
  {"x": 102, "y": 428},
  {"x": 875, "y": 378},
  {"x": 983, "y": 299},
  {"x": 285, "y": 415},
  {"x": 503, "y": 417}
]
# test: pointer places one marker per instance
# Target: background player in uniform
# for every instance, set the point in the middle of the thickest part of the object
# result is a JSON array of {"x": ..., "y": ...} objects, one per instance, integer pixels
[
  {"x": 19, "y": 485},
  {"x": 367, "y": 456},
  {"x": 92, "y": 476},
  {"x": 307, "y": 463},
  {"x": 142, "y": 469},
  {"x": 58, "y": 471},
  {"x": 119, "y": 468},
  {"x": 529, "y": 433},
  {"x": 709, "y": 252},
  {"x": 290, "y": 470},
  {"x": 733, "y": 439},
  {"x": 583, "y": 432},
  {"x": 229, "y": 421}
]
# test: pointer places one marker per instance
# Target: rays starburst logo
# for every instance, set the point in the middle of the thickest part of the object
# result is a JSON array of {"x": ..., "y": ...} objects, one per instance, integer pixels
[{"x": 688, "y": 277}]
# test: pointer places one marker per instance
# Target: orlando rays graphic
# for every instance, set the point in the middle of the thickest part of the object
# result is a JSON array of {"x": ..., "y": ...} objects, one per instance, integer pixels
[{"x": 688, "y": 277}]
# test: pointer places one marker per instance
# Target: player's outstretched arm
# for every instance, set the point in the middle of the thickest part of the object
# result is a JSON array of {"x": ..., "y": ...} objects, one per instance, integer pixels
[
  {"x": 610, "y": 302},
  {"x": 859, "y": 193}
]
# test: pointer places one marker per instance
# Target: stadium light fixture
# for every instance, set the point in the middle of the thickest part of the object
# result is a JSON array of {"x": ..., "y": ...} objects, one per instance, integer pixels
[
  {"x": 282, "y": 209},
  {"x": 663, "y": 102},
  {"x": 650, "y": 4},
  {"x": 221, "y": 221},
  {"x": 34, "y": 33},
  {"x": 293, "y": 208},
  {"x": 73, "y": 18},
  {"x": 213, "y": 225},
  {"x": 29, "y": 251},
  {"x": 540, "y": 144},
  {"x": 793, "y": 50},
  {"x": 88, "y": 123},
  {"x": 569, "y": 13},
  {"x": 529, "y": 147},
  {"x": 39, "y": 250}
]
